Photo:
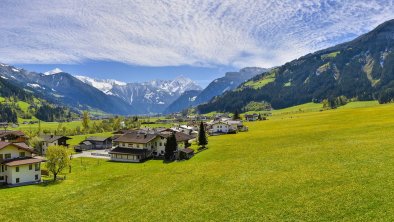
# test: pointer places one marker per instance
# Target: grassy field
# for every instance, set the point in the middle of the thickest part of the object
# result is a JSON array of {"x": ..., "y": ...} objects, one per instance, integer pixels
[
  {"x": 49, "y": 125},
  {"x": 260, "y": 83},
  {"x": 335, "y": 165},
  {"x": 79, "y": 138}
]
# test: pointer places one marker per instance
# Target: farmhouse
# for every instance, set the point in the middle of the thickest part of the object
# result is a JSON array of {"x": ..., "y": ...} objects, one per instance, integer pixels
[
  {"x": 225, "y": 125},
  {"x": 94, "y": 142},
  {"x": 12, "y": 136},
  {"x": 18, "y": 165},
  {"x": 251, "y": 117},
  {"x": 51, "y": 140},
  {"x": 136, "y": 146},
  {"x": 222, "y": 127}
]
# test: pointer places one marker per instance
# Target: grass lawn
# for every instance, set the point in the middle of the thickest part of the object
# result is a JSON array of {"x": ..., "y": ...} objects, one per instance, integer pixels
[
  {"x": 335, "y": 165},
  {"x": 79, "y": 138}
]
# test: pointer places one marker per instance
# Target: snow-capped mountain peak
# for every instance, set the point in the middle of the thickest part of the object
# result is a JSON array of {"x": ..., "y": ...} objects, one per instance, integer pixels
[
  {"x": 53, "y": 71},
  {"x": 104, "y": 85},
  {"x": 178, "y": 85}
]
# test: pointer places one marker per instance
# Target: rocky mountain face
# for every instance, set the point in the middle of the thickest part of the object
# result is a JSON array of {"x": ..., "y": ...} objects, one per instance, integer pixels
[
  {"x": 217, "y": 87},
  {"x": 63, "y": 88},
  {"x": 148, "y": 97},
  {"x": 186, "y": 100},
  {"x": 362, "y": 69}
]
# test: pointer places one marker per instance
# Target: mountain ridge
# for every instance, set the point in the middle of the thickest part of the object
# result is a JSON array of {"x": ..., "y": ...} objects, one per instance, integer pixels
[{"x": 361, "y": 69}]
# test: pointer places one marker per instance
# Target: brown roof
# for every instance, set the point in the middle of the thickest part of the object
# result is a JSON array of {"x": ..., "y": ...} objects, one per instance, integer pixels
[
  {"x": 22, "y": 146},
  {"x": 135, "y": 137},
  {"x": 179, "y": 136},
  {"x": 11, "y": 132},
  {"x": 19, "y": 161}
]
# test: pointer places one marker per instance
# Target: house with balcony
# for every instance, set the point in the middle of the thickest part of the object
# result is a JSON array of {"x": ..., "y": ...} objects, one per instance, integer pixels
[
  {"x": 139, "y": 145},
  {"x": 13, "y": 136},
  {"x": 19, "y": 164}
]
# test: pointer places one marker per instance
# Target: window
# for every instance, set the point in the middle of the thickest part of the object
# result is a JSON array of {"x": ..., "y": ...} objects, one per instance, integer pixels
[
  {"x": 1, "y": 177},
  {"x": 17, "y": 169},
  {"x": 7, "y": 156},
  {"x": 160, "y": 144},
  {"x": 30, "y": 167},
  {"x": 22, "y": 154},
  {"x": 36, "y": 177},
  {"x": 130, "y": 145},
  {"x": 1, "y": 156},
  {"x": 17, "y": 180},
  {"x": 37, "y": 166}
]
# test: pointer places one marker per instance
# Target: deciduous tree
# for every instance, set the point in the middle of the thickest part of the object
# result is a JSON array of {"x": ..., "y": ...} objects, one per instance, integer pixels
[{"x": 57, "y": 159}]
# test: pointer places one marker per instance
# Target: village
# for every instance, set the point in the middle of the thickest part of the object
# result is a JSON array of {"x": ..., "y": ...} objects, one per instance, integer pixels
[{"x": 20, "y": 163}]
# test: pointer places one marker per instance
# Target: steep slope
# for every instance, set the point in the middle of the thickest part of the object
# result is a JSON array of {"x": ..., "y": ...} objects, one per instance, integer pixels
[
  {"x": 229, "y": 82},
  {"x": 362, "y": 69},
  {"x": 186, "y": 100},
  {"x": 104, "y": 85},
  {"x": 65, "y": 89},
  {"x": 217, "y": 87}
]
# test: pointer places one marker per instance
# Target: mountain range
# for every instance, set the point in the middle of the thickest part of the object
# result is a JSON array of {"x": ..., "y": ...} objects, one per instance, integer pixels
[
  {"x": 116, "y": 97},
  {"x": 147, "y": 97},
  {"x": 362, "y": 69},
  {"x": 217, "y": 87}
]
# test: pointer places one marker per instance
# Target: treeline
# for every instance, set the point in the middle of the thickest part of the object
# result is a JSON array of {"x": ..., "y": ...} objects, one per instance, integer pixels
[
  {"x": 51, "y": 113},
  {"x": 7, "y": 114},
  {"x": 88, "y": 126},
  {"x": 8, "y": 89},
  {"x": 327, "y": 74}
]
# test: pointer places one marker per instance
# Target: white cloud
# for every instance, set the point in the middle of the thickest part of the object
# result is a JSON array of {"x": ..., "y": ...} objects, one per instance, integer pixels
[{"x": 169, "y": 33}]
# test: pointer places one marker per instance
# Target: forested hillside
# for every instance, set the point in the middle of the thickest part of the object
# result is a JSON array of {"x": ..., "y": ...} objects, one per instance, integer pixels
[{"x": 362, "y": 69}]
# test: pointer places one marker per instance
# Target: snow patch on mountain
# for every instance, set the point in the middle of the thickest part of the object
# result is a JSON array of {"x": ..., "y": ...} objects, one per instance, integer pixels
[
  {"x": 15, "y": 70},
  {"x": 34, "y": 85},
  {"x": 104, "y": 85},
  {"x": 53, "y": 71}
]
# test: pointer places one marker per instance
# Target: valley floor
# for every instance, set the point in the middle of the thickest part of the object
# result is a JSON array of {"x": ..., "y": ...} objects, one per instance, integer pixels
[{"x": 335, "y": 165}]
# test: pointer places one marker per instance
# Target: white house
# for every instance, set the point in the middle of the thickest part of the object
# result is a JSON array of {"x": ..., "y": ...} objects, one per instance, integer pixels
[
  {"x": 51, "y": 140},
  {"x": 18, "y": 165},
  {"x": 219, "y": 127}
]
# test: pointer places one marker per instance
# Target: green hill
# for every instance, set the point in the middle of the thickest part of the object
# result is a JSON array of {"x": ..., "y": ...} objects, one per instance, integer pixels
[
  {"x": 362, "y": 69},
  {"x": 335, "y": 165}
]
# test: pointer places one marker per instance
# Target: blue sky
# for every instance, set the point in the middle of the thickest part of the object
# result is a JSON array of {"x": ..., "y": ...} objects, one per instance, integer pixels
[{"x": 150, "y": 39}]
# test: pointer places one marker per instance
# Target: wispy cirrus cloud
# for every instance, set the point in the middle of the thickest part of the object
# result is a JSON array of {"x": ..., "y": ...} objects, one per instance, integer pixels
[{"x": 170, "y": 33}]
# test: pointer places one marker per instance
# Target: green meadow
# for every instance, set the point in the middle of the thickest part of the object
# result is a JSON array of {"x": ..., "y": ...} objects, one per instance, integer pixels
[{"x": 335, "y": 165}]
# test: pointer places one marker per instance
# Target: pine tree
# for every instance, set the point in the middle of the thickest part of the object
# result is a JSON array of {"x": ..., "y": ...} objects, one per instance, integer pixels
[
  {"x": 170, "y": 147},
  {"x": 202, "y": 137},
  {"x": 236, "y": 115}
]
